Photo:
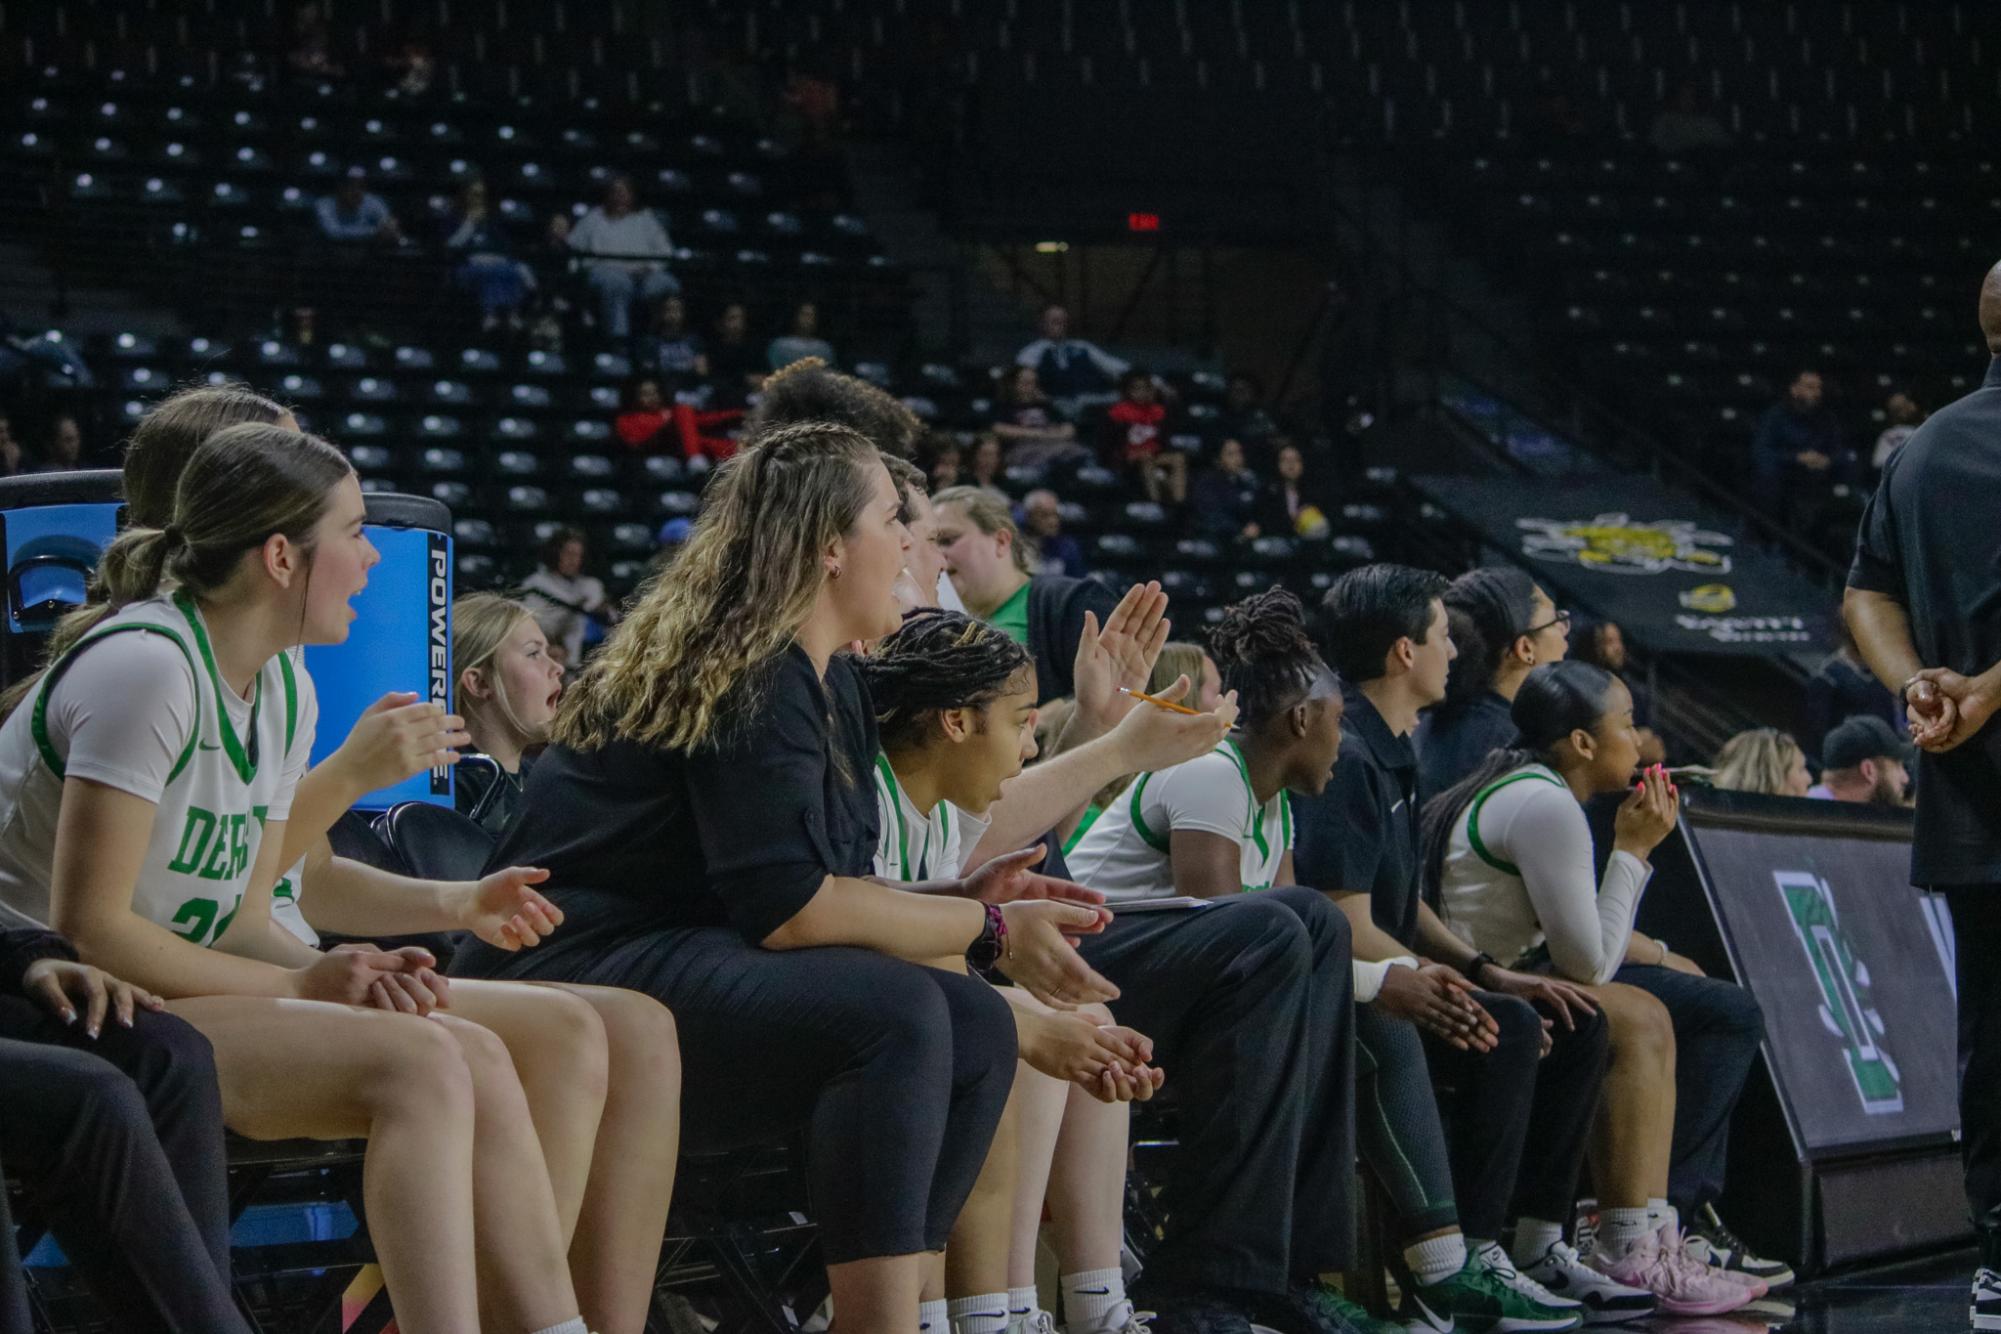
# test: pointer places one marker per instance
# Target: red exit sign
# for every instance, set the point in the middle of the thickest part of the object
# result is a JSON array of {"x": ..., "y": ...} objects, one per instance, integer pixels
[{"x": 1142, "y": 222}]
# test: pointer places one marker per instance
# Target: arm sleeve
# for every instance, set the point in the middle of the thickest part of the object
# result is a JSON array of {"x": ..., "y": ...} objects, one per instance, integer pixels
[
  {"x": 1542, "y": 829},
  {"x": 1879, "y": 564},
  {"x": 1105, "y": 361},
  {"x": 1338, "y": 844},
  {"x": 1031, "y": 354},
  {"x": 584, "y": 236},
  {"x": 1369, "y": 976},
  {"x": 656, "y": 238},
  {"x": 123, "y": 715},
  {"x": 759, "y": 806},
  {"x": 1205, "y": 795}
]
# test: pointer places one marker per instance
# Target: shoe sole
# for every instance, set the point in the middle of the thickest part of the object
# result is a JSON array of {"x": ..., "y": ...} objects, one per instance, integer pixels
[
  {"x": 1610, "y": 1312},
  {"x": 1742, "y": 1298},
  {"x": 1983, "y": 1321},
  {"x": 1518, "y": 1325}
]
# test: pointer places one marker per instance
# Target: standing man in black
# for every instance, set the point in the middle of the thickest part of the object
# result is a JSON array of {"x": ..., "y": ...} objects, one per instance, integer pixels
[
  {"x": 1924, "y": 605},
  {"x": 1516, "y": 1119}
]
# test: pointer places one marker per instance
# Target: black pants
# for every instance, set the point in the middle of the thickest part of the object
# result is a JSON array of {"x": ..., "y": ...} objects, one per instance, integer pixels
[
  {"x": 1516, "y": 1122},
  {"x": 1976, "y": 929},
  {"x": 1718, "y": 1027},
  {"x": 1250, "y": 1004},
  {"x": 120, "y": 1144},
  {"x": 900, "y": 1072}
]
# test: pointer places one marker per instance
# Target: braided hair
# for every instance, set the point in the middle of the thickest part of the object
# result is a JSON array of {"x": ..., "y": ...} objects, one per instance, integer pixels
[
  {"x": 937, "y": 660},
  {"x": 1263, "y": 653}
]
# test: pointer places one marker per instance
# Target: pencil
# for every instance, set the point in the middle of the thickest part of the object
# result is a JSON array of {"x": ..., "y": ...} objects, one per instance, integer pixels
[{"x": 1157, "y": 702}]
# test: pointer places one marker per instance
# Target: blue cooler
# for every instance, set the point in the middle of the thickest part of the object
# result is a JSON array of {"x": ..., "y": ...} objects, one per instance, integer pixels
[{"x": 401, "y": 638}]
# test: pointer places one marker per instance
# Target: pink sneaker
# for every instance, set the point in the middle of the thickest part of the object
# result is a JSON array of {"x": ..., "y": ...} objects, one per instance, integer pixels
[
  {"x": 1675, "y": 1243},
  {"x": 1680, "y": 1285}
]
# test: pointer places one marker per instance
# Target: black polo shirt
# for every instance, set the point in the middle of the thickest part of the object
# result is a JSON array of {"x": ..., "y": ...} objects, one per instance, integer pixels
[
  {"x": 739, "y": 833},
  {"x": 1930, "y": 540},
  {"x": 1451, "y": 745},
  {"x": 1360, "y": 834}
]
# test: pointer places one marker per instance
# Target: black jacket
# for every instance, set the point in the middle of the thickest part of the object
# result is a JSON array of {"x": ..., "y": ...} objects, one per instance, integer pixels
[
  {"x": 20, "y": 948},
  {"x": 1056, "y": 607}
]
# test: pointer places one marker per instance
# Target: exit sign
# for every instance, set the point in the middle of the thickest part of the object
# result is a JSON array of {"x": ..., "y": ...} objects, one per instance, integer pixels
[{"x": 1142, "y": 222}]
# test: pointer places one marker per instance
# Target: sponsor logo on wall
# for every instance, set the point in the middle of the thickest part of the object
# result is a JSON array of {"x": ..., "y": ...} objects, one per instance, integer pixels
[
  {"x": 1847, "y": 1011},
  {"x": 1615, "y": 543}
]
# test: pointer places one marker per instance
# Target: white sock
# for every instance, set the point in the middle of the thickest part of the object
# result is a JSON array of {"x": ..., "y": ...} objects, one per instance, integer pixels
[
  {"x": 1489, "y": 1253},
  {"x": 984, "y": 1314},
  {"x": 1094, "y": 1299},
  {"x": 1533, "y": 1238},
  {"x": 1021, "y": 1301},
  {"x": 1620, "y": 1230},
  {"x": 576, "y": 1326},
  {"x": 932, "y": 1317},
  {"x": 1438, "y": 1259},
  {"x": 1662, "y": 1216}
]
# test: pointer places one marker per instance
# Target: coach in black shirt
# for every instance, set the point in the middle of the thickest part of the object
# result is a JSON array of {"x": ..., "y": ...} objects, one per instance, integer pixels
[
  {"x": 1383, "y": 627},
  {"x": 1925, "y": 593}
]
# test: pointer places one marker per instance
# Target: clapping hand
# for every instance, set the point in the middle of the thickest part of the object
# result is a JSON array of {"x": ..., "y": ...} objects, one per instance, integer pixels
[{"x": 1121, "y": 654}]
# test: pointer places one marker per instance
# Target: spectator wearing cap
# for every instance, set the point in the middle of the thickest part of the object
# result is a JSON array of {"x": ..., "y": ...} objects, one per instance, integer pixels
[
  {"x": 1056, "y": 552},
  {"x": 1865, "y": 762},
  {"x": 626, "y": 250},
  {"x": 1073, "y": 371},
  {"x": 355, "y": 215}
]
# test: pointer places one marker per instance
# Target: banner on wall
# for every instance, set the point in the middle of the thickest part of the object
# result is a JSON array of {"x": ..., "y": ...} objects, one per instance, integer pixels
[{"x": 1676, "y": 574}]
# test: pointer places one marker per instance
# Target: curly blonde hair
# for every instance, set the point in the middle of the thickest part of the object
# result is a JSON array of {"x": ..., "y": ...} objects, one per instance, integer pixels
[{"x": 683, "y": 662}]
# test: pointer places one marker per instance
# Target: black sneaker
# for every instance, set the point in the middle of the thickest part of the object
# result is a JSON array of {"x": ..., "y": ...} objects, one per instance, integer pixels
[
  {"x": 1986, "y": 1312},
  {"x": 1176, "y": 1309},
  {"x": 1715, "y": 1245}
]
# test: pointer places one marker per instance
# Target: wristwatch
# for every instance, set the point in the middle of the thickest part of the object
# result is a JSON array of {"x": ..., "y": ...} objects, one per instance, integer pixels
[
  {"x": 1476, "y": 963},
  {"x": 987, "y": 950}
]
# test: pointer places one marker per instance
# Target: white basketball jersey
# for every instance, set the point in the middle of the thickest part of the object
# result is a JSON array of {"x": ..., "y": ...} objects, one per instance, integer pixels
[{"x": 209, "y": 819}]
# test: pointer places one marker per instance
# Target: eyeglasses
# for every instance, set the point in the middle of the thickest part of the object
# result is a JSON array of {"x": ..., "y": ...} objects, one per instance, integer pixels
[{"x": 1562, "y": 618}]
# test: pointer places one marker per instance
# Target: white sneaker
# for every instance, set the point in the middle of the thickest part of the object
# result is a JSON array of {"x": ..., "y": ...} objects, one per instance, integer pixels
[
  {"x": 1562, "y": 1272},
  {"x": 1503, "y": 1266},
  {"x": 1035, "y": 1322},
  {"x": 1986, "y": 1309}
]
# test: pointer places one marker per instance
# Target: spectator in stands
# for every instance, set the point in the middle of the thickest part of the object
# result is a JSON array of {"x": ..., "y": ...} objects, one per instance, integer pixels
[
  {"x": 988, "y": 565},
  {"x": 1293, "y": 506},
  {"x": 354, "y": 215},
  {"x": 1227, "y": 495},
  {"x": 1763, "y": 760},
  {"x": 1603, "y": 644},
  {"x": 708, "y": 830},
  {"x": 310, "y": 55},
  {"x": 1843, "y": 687},
  {"x": 484, "y": 260},
  {"x": 737, "y": 367},
  {"x": 1136, "y": 425},
  {"x": 1905, "y": 417},
  {"x": 1517, "y": 1115},
  {"x": 939, "y": 456},
  {"x": 1026, "y": 419},
  {"x": 1503, "y": 627},
  {"x": 113, "y": 1121},
  {"x": 1864, "y": 761},
  {"x": 626, "y": 252},
  {"x": 1683, "y": 128},
  {"x": 13, "y": 460},
  {"x": 64, "y": 452},
  {"x": 1798, "y": 453},
  {"x": 507, "y": 690},
  {"x": 1508, "y": 856},
  {"x": 986, "y": 466},
  {"x": 1073, "y": 371},
  {"x": 647, "y": 423},
  {"x": 1192, "y": 661},
  {"x": 568, "y": 604},
  {"x": 801, "y": 339},
  {"x": 411, "y": 65},
  {"x": 1056, "y": 552},
  {"x": 674, "y": 349},
  {"x": 1245, "y": 415}
]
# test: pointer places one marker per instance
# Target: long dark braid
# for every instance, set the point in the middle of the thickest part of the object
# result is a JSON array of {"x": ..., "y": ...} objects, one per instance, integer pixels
[
  {"x": 1263, "y": 652},
  {"x": 937, "y": 660}
]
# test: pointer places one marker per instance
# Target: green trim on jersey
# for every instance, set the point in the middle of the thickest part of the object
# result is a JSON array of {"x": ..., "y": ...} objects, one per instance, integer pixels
[
  {"x": 1256, "y": 826},
  {"x": 291, "y": 699},
  {"x": 888, "y": 773},
  {"x": 1473, "y": 839},
  {"x": 246, "y": 769},
  {"x": 1140, "y": 827},
  {"x": 38, "y": 721}
]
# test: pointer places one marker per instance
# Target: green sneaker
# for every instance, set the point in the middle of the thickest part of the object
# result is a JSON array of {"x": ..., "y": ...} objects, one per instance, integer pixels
[
  {"x": 1328, "y": 1308},
  {"x": 1476, "y": 1301}
]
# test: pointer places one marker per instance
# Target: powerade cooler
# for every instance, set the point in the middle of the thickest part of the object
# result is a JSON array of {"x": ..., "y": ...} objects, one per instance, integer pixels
[{"x": 54, "y": 525}]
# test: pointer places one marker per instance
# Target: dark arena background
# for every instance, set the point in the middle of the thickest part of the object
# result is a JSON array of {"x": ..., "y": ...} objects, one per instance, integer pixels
[{"x": 1636, "y": 295}]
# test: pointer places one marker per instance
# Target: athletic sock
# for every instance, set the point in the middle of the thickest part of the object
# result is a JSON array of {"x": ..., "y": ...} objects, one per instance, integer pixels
[
  {"x": 1662, "y": 1215},
  {"x": 932, "y": 1317},
  {"x": 1620, "y": 1230},
  {"x": 984, "y": 1314},
  {"x": 1021, "y": 1302},
  {"x": 1094, "y": 1300},
  {"x": 1438, "y": 1259},
  {"x": 575, "y": 1326},
  {"x": 1533, "y": 1238}
]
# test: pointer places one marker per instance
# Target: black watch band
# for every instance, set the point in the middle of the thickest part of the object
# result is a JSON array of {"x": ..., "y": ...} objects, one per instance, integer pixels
[{"x": 1476, "y": 963}]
